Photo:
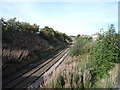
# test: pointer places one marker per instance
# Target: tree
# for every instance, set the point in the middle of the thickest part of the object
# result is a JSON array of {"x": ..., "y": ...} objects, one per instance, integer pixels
[{"x": 105, "y": 52}]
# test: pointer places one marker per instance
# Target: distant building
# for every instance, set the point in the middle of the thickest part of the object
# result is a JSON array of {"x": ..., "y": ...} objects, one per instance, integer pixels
[
  {"x": 86, "y": 36},
  {"x": 95, "y": 36}
]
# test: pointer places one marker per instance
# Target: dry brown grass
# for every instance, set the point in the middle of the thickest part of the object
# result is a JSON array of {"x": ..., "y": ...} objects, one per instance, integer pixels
[
  {"x": 70, "y": 71},
  {"x": 64, "y": 69}
]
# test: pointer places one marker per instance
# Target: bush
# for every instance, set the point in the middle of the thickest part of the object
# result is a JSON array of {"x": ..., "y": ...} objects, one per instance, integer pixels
[
  {"x": 81, "y": 46},
  {"x": 105, "y": 53}
]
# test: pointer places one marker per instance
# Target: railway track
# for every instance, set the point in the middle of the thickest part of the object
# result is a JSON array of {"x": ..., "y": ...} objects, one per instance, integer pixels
[
  {"x": 28, "y": 77},
  {"x": 20, "y": 73}
]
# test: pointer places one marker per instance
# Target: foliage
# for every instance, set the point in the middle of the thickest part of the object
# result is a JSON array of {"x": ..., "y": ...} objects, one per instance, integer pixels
[
  {"x": 54, "y": 36},
  {"x": 11, "y": 26},
  {"x": 105, "y": 53},
  {"x": 81, "y": 46}
]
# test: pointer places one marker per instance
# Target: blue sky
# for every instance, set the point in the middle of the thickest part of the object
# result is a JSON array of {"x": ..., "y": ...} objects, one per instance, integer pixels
[{"x": 72, "y": 18}]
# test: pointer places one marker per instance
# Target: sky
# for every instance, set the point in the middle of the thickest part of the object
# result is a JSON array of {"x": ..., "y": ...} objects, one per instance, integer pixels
[{"x": 72, "y": 18}]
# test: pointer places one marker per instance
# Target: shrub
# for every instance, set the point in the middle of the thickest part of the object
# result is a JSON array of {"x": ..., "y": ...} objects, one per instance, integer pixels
[
  {"x": 81, "y": 46},
  {"x": 105, "y": 53}
]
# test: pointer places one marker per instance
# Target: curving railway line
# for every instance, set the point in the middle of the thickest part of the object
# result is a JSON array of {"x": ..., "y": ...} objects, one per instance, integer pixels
[{"x": 27, "y": 77}]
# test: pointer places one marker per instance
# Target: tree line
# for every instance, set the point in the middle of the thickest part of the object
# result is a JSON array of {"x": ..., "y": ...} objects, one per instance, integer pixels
[{"x": 12, "y": 26}]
